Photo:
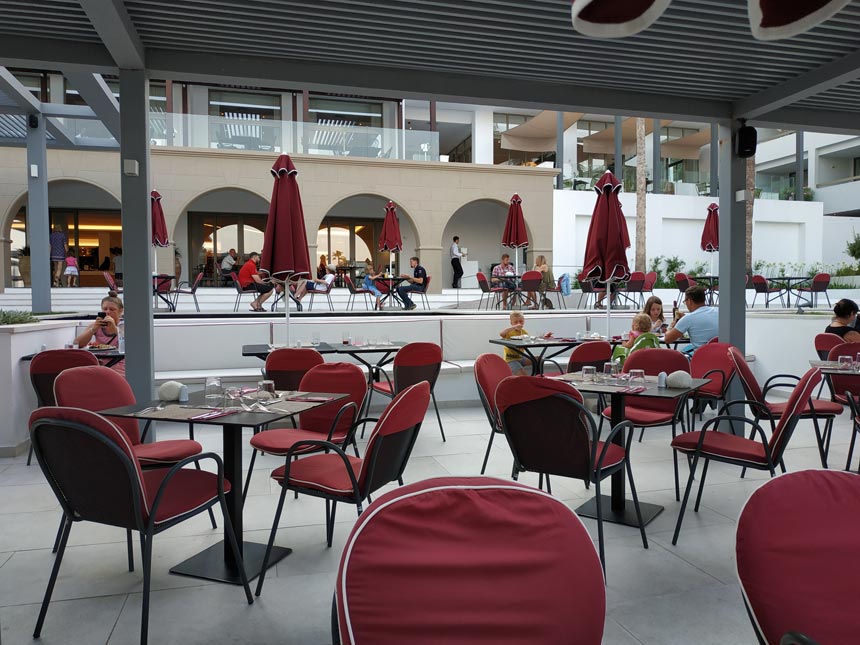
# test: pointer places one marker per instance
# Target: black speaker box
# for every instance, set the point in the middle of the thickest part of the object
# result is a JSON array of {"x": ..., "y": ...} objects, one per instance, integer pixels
[{"x": 746, "y": 140}]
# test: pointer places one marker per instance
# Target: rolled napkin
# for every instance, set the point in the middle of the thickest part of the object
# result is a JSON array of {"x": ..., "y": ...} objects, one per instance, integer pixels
[
  {"x": 169, "y": 391},
  {"x": 679, "y": 379}
]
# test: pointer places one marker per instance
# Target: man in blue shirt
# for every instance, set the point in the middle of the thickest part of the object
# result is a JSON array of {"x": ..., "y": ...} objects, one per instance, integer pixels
[
  {"x": 701, "y": 324},
  {"x": 415, "y": 282}
]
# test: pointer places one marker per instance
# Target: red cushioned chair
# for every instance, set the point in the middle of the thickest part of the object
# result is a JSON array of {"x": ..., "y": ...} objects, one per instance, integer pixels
[
  {"x": 854, "y": 407},
  {"x": 413, "y": 363},
  {"x": 645, "y": 412},
  {"x": 550, "y": 432},
  {"x": 488, "y": 291},
  {"x": 112, "y": 489},
  {"x": 44, "y": 368},
  {"x": 650, "y": 282},
  {"x": 711, "y": 361},
  {"x": 796, "y": 551},
  {"x": 558, "y": 295},
  {"x": 634, "y": 290},
  {"x": 337, "y": 477},
  {"x": 332, "y": 423},
  {"x": 589, "y": 292},
  {"x": 820, "y": 283},
  {"x": 823, "y": 344},
  {"x": 762, "y": 286},
  {"x": 763, "y": 409},
  {"x": 240, "y": 291},
  {"x": 321, "y": 292},
  {"x": 190, "y": 289},
  {"x": 354, "y": 292},
  {"x": 287, "y": 366},
  {"x": 490, "y": 370},
  {"x": 422, "y": 593},
  {"x": 530, "y": 283},
  {"x": 423, "y": 293},
  {"x": 683, "y": 282},
  {"x": 593, "y": 353},
  {"x": 759, "y": 453}
]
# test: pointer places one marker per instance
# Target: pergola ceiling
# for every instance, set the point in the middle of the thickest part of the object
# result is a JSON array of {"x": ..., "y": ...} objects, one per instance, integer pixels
[{"x": 699, "y": 61}]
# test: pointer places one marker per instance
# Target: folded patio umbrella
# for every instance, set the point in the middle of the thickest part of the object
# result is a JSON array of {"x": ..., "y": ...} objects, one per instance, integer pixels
[
  {"x": 711, "y": 232},
  {"x": 285, "y": 242},
  {"x": 159, "y": 227},
  {"x": 389, "y": 239},
  {"x": 607, "y": 243},
  {"x": 515, "y": 235},
  {"x": 776, "y": 19}
]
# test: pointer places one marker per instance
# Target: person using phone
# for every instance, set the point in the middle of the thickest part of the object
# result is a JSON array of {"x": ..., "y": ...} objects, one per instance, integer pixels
[{"x": 104, "y": 330}]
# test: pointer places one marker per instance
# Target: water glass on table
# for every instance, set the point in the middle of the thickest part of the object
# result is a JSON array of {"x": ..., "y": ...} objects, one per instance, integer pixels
[
  {"x": 588, "y": 373},
  {"x": 315, "y": 338},
  {"x": 637, "y": 378},
  {"x": 345, "y": 338},
  {"x": 266, "y": 390},
  {"x": 846, "y": 362},
  {"x": 213, "y": 392}
]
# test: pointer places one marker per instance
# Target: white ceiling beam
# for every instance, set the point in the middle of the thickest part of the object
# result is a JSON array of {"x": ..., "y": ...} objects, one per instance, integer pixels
[
  {"x": 811, "y": 120},
  {"x": 113, "y": 25},
  {"x": 98, "y": 96},
  {"x": 16, "y": 91}
]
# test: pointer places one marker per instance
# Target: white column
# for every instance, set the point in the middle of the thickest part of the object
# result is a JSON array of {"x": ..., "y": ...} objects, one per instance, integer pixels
[{"x": 482, "y": 135}]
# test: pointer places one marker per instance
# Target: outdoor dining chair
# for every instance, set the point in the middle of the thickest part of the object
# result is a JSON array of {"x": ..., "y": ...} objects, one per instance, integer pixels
[
  {"x": 589, "y": 292},
  {"x": 796, "y": 548},
  {"x": 761, "y": 285},
  {"x": 683, "y": 282},
  {"x": 634, "y": 290},
  {"x": 823, "y": 344},
  {"x": 529, "y": 283},
  {"x": 558, "y": 295},
  {"x": 488, "y": 292},
  {"x": 240, "y": 291},
  {"x": 550, "y": 432},
  {"x": 333, "y": 423},
  {"x": 340, "y": 478},
  {"x": 854, "y": 407},
  {"x": 95, "y": 473},
  {"x": 190, "y": 289},
  {"x": 713, "y": 443},
  {"x": 650, "y": 282},
  {"x": 711, "y": 361},
  {"x": 111, "y": 283},
  {"x": 510, "y": 536},
  {"x": 413, "y": 363},
  {"x": 820, "y": 283},
  {"x": 44, "y": 368},
  {"x": 287, "y": 366},
  {"x": 423, "y": 293},
  {"x": 490, "y": 370},
  {"x": 321, "y": 292},
  {"x": 592, "y": 353},
  {"x": 354, "y": 292}
]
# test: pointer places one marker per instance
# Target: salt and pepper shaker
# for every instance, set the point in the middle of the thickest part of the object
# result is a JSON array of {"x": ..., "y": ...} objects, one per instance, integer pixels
[
  {"x": 183, "y": 394},
  {"x": 661, "y": 379}
]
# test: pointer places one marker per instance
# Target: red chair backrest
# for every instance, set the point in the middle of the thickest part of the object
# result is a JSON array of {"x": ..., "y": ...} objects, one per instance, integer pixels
[
  {"x": 417, "y": 362},
  {"x": 594, "y": 353},
  {"x": 46, "y": 365},
  {"x": 286, "y": 366},
  {"x": 760, "y": 284},
  {"x": 344, "y": 378},
  {"x": 490, "y": 370},
  {"x": 162, "y": 283},
  {"x": 799, "y": 531},
  {"x": 197, "y": 281},
  {"x": 798, "y": 403},
  {"x": 546, "y": 426},
  {"x": 682, "y": 281},
  {"x": 713, "y": 356},
  {"x": 636, "y": 281},
  {"x": 650, "y": 280},
  {"x": 530, "y": 281},
  {"x": 349, "y": 284},
  {"x": 654, "y": 361},
  {"x": 825, "y": 342},
  {"x": 110, "y": 281},
  {"x": 752, "y": 390},
  {"x": 95, "y": 388},
  {"x": 426, "y": 284},
  {"x": 482, "y": 282},
  {"x": 820, "y": 282},
  {"x": 235, "y": 279},
  {"x": 841, "y": 384},
  {"x": 393, "y": 437},
  {"x": 90, "y": 465},
  {"x": 422, "y": 592}
]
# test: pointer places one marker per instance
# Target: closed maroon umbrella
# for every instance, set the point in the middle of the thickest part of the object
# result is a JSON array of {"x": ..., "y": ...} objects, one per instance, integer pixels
[
  {"x": 159, "y": 227},
  {"x": 389, "y": 239},
  {"x": 285, "y": 243},
  {"x": 711, "y": 232},
  {"x": 607, "y": 243},
  {"x": 515, "y": 235}
]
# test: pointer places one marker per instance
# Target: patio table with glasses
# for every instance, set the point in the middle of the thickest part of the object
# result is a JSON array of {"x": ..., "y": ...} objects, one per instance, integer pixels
[
  {"x": 791, "y": 284},
  {"x": 618, "y": 512},
  {"x": 217, "y": 561}
]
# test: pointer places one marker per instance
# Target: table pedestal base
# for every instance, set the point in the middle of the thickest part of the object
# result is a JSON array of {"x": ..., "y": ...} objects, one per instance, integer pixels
[
  {"x": 626, "y": 517},
  {"x": 209, "y": 564}
]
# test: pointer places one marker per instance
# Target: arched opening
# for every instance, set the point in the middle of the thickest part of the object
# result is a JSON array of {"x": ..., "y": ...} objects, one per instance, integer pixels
[
  {"x": 90, "y": 218},
  {"x": 349, "y": 234},
  {"x": 480, "y": 225},
  {"x": 217, "y": 221}
]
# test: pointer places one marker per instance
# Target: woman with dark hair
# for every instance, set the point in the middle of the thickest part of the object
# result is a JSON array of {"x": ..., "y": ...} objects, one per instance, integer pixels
[
  {"x": 654, "y": 308},
  {"x": 844, "y": 316}
]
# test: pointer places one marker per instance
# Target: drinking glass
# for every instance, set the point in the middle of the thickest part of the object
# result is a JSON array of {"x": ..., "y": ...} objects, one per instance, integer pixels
[
  {"x": 607, "y": 372},
  {"x": 385, "y": 340},
  {"x": 371, "y": 342},
  {"x": 588, "y": 372},
  {"x": 359, "y": 341},
  {"x": 846, "y": 362},
  {"x": 266, "y": 390},
  {"x": 345, "y": 338},
  {"x": 214, "y": 393},
  {"x": 856, "y": 362},
  {"x": 315, "y": 338},
  {"x": 637, "y": 377},
  {"x": 232, "y": 394}
]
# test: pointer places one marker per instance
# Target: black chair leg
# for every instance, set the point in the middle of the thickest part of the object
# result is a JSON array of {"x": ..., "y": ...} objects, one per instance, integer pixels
[
  {"x": 231, "y": 537},
  {"x": 540, "y": 481},
  {"x": 489, "y": 447},
  {"x": 271, "y": 542},
  {"x": 61, "y": 549},
  {"x": 641, "y": 433},
  {"x": 854, "y": 430},
  {"x": 329, "y": 521},
  {"x": 248, "y": 476},
  {"x": 636, "y": 503},
  {"x": 59, "y": 534},
  {"x": 438, "y": 418},
  {"x": 701, "y": 485},
  {"x": 686, "y": 497},
  {"x": 128, "y": 542},
  {"x": 548, "y": 486},
  {"x": 600, "y": 527},
  {"x": 147, "y": 575},
  {"x": 30, "y": 454}
]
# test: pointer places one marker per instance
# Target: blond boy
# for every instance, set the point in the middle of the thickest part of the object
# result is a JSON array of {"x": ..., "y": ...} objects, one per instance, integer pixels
[{"x": 514, "y": 357}]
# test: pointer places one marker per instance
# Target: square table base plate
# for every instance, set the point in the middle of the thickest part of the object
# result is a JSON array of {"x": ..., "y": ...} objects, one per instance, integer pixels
[
  {"x": 209, "y": 564},
  {"x": 626, "y": 517}
]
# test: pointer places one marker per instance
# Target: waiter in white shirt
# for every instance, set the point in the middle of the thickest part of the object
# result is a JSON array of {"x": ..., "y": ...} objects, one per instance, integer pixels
[{"x": 455, "y": 263}]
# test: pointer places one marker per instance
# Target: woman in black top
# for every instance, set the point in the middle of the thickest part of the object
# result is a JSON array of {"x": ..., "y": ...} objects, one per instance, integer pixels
[{"x": 844, "y": 316}]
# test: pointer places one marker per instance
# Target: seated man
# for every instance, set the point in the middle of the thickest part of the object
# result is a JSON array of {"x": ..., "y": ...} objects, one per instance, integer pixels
[
  {"x": 248, "y": 276},
  {"x": 227, "y": 264},
  {"x": 700, "y": 324},
  {"x": 315, "y": 284},
  {"x": 415, "y": 282},
  {"x": 503, "y": 276}
]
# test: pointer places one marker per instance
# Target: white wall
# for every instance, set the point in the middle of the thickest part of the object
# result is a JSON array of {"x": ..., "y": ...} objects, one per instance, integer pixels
[
  {"x": 480, "y": 225},
  {"x": 837, "y": 231},
  {"x": 482, "y": 135}
]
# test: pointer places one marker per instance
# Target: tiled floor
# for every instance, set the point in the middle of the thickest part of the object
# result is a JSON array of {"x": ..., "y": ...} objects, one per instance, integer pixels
[{"x": 663, "y": 595}]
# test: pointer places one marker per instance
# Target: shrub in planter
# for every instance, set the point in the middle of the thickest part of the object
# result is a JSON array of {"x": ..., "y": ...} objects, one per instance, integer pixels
[{"x": 13, "y": 317}]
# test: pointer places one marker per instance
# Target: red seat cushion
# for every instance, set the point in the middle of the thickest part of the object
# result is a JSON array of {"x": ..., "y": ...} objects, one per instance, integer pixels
[
  {"x": 383, "y": 387},
  {"x": 642, "y": 417},
  {"x": 188, "y": 489},
  {"x": 166, "y": 452},
  {"x": 721, "y": 444},
  {"x": 821, "y": 408},
  {"x": 614, "y": 454},
  {"x": 326, "y": 473},
  {"x": 280, "y": 440}
]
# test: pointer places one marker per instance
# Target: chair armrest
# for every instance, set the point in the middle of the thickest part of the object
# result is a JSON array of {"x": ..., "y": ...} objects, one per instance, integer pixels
[
  {"x": 773, "y": 382},
  {"x": 347, "y": 406},
  {"x": 598, "y": 462},
  {"x": 755, "y": 405},
  {"x": 376, "y": 370},
  {"x": 326, "y": 446},
  {"x": 721, "y": 418},
  {"x": 796, "y": 638},
  {"x": 722, "y": 377},
  {"x": 185, "y": 282},
  {"x": 175, "y": 468}
]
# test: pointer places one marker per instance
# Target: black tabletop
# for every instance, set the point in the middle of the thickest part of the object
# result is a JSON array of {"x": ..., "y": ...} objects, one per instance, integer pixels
[
  {"x": 651, "y": 389},
  {"x": 262, "y": 350},
  {"x": 113, "y": 354}
]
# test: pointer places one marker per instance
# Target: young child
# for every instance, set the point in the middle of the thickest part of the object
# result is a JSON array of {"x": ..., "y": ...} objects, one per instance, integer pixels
[
  {"x": 641, "y": 324},
  {"x": 71, "y": 271},
  {"x": 513, "y": 357}
]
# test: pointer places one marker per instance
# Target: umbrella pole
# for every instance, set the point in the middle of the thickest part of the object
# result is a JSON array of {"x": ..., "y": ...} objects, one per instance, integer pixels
[{"x": 608, "y": 309}]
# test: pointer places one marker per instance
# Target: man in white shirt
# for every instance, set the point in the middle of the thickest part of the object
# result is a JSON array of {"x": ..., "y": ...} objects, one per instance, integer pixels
[
  {"x": 701, "y": 324},
  {"x": 456, "y": 256},
  {"x": 228, "y": 261}
]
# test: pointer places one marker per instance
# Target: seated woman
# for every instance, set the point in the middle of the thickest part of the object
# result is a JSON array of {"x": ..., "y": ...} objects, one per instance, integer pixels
[
  {"x": 654, "y": 308},
  {"x": 322, "y": 268},
  {"x": 106, "y": 330},
  {"x": 844, "y": 317},
  {"x": 369, "y": 282}
]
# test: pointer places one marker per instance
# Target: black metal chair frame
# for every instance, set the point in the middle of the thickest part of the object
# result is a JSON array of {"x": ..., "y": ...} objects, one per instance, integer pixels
[
  {"x": 191, "y": 289},
  {"x": 353, "y": 292},
  {"x": 495, "y": 428},
  {"x": 431, "y": 379},
  {"x": 326, "y": 293},
  {"x": 855, "y": 427},
  {"x": 147, "y": 531},
  {"x": 240, "y": 291},
  {"x": 489, "y": 291},
  {"x": 778, "y": 293}
]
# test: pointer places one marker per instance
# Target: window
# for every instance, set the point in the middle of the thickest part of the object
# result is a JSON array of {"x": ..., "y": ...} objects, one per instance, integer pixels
[
  {"x": 855, "y": 165},
  {"x": 334, "y": 111},
  {"x": 244, "y": 105},
  {"x": 211, "y": 235}
]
